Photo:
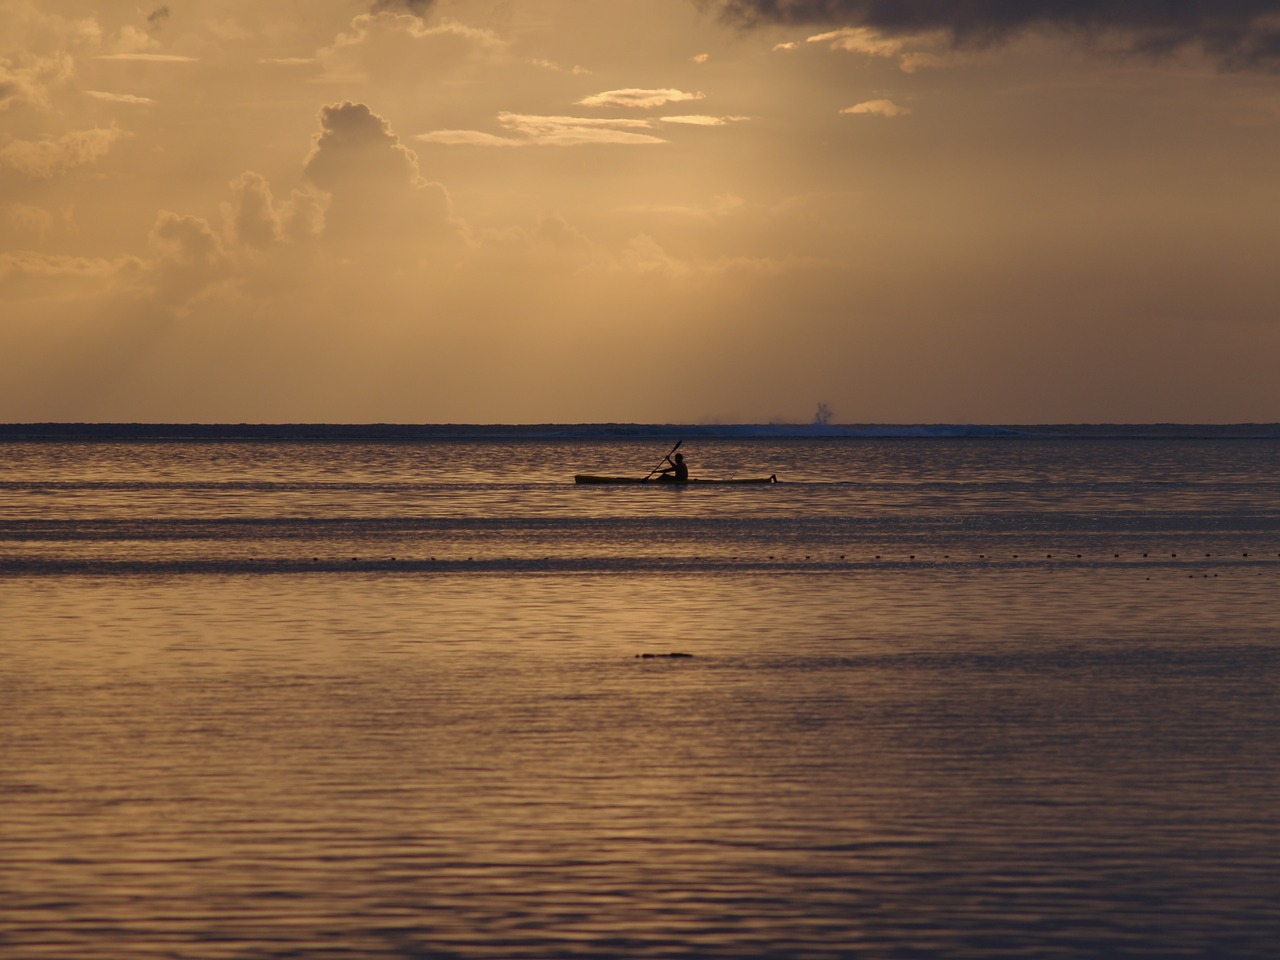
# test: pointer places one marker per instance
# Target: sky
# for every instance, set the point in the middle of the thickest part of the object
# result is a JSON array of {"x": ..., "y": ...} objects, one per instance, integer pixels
[{"x": 673, "y": 211}]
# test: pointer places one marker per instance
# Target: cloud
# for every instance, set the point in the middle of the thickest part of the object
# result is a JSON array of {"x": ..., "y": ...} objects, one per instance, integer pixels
[
  {"x": 544, "y": 64},
  {"x": 119, "y": 97},
  {"x": 31, "y": 221},
  {"x": 700, "y": 120},
  {"x": 637, "y": 98},
  {"x": 400, "y": 48},
  {"x": 575, "y": 131},
  {"x": 377, "y": 194},
  {"x": 147, "y": 57},
  {"x": 251, "y": 217},
  {"x": 189, "y": 259},
  {"x": 1245, "y": 33},
  {"x": 912, "y": 51},
  {"x": 27, "y": 79},
  {"x": 418, "y": 8},
  {"x": 878, "y": 108},
  {"x": 49, "y": 158},
  {"x": 530, "y": 130},
  {"x": 255, "y": 219},
  {"x": 535, "y": 130},
  {"x": 356, "y": 143},
  {"x": 38, "y": 52},
  {"x": 470, "y": 138}
]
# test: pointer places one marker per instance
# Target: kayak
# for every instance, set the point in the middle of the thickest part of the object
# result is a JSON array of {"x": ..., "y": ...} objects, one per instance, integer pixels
[{"x": 589, "y": 478}]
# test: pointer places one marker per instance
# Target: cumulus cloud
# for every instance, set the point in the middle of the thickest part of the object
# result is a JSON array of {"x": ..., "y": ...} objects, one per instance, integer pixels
[
  {"x": 255, "y": 219},
  {"x": 189, "y": 258},
  {"x": 53, "y": 157},
  {"x": 251, "y": 217},
  {"x": 38, "y": 52},
  {"x": 638, "y": 98},
  {"x": 878, "y": 108},
  {"x": 354, "y": 143},
  {"x": 376, "y": 191},
  {"x": 28, "y": 79},
  {"x": 1245, "y": 33}
]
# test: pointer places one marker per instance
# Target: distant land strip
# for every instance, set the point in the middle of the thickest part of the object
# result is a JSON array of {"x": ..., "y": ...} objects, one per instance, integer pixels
[{"x": 384, "y": 432}]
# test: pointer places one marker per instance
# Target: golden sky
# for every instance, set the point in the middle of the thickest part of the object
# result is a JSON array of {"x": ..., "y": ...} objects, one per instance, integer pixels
[{"x": 659, "y": 211}]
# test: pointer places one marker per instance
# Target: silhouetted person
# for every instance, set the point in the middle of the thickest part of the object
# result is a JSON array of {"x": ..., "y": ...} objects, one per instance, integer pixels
[{"x": 678, "y": 472}]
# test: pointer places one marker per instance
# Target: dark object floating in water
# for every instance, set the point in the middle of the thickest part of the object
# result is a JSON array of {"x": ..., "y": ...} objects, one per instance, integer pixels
[{"x": 669, "y": 656}]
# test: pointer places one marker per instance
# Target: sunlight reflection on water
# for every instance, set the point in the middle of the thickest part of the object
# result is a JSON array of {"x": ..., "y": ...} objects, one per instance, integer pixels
[
  {"x": 948, "y": 745},
  {"x": 483, "y": 767}
]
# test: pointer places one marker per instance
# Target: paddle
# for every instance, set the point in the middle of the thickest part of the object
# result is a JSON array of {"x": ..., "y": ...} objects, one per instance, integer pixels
[{"x": 664, "y": 459}]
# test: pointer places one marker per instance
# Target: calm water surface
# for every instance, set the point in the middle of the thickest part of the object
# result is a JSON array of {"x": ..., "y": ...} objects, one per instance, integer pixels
[{"x": 946, "y": 698}]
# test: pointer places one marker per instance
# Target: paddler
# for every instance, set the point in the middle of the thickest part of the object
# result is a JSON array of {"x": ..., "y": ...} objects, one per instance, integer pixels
[{"x": 678, "y": 472}]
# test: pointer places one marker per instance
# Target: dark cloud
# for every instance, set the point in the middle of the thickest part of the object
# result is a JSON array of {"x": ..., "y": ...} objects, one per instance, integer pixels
[
  {"x": 416, "y": 7},
  {"x": 355, "y": 144},
  {"x": 1239, "y": 33},
  {"x": 157, "y": 16},
  {"x": 375, "y": 189}
]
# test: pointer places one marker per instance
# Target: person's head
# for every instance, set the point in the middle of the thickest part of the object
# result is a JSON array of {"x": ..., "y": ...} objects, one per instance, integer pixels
[{"x": 680, "y": 457}]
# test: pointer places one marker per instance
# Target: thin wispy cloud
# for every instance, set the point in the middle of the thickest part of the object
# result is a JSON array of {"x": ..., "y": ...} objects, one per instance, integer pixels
[
  {"x": 640, "y": 99},
  {"x": 533, "y": 130},
  {"x": 699, "y": 120},
  {"x": 578, "y": 131},
  {"x": 878, "y": 108},
  {"x": 148, "y": 57},
  {"x": 128, "y": 98}
]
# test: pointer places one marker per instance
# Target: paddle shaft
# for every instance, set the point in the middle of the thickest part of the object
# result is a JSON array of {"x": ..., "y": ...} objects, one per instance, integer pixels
[{"x": 665, "y": 459}]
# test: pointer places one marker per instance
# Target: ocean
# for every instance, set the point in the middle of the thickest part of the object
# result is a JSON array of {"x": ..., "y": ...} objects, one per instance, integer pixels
[{"x": 388, "y": 692}]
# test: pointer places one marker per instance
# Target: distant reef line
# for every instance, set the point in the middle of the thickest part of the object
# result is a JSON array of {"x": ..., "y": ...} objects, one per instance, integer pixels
[{"x": 387, "y": 432}]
